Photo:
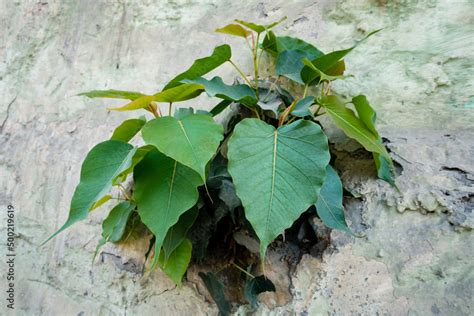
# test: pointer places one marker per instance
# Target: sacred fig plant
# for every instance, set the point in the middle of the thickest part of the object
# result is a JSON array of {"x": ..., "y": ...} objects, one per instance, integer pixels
[{"x": 262, "y": 167}]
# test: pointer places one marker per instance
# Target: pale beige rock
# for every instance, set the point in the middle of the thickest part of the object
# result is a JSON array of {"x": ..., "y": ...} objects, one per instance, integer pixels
[{"x": 417, "y": 73}]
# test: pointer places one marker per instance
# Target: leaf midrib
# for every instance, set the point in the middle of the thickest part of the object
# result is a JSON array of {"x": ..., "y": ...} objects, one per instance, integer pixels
[
  {"x": 196, "y": 161},
  {"x": 275, "y": 141}
]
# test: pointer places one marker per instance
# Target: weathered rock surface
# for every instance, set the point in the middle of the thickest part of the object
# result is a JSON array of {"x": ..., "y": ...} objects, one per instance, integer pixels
[{"x": 416, "y": 256}]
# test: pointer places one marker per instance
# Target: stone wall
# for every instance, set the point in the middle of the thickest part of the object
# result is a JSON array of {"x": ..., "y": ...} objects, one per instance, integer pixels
[{"x": 416, "y": 254}]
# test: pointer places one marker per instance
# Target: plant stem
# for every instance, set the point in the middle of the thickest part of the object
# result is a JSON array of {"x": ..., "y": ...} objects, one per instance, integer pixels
[
  {"x": 240, "y": 72},
  {"x": 169, "y": 108},
  {"x": 255, "y": 64},
  {"x": 242, "y": 270},
  {"x": 305, "y": 90},
  {"x": 124, "y": 192},
  {"x": 154, "y": 111},
  {"x": 317, "y": 111},
  {"x": 256, "y": 113}
]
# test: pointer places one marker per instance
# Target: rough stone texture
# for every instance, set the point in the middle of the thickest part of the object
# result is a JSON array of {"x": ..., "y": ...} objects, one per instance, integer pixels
[{"x": 416, "y": 256}]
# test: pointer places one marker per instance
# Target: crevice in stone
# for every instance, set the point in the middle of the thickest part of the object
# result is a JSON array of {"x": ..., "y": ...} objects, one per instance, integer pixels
[{"x": 7, "y": 115}]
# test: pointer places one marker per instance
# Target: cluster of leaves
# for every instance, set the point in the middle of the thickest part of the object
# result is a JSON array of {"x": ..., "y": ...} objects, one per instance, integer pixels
[{"x": 271, "y": 159}]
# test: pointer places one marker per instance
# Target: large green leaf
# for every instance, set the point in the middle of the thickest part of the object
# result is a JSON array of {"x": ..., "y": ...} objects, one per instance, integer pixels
[
  {"x": 202, "y": 66},
  {"x": 278, "y": 44},
  {"x": 128, "y": 129},
  {"x": 192, "y": 140},
  {"x": 289, "y": 64},
  {"x": 113, "y": 94},
  {"x": 352, "y": 125},
  {"x": 215, "y": 87},
  {"x": 177, "y": 233},
  {"x": 329, "y": 205},
  {"x": 368, "y": 117},
  {"x": 234, "y": 29},
  {"x": 216, "y": 289},
  {"x": 277, "y": 173},
  {"x": 258, "y": 27},
  {"x": 113, "y": 227},
  {"x": 164, "y": 190},
  {"x": 102, "y": 164},
  {"x": 325, "y": 62},
  {"x": 176, "y": 264},
  {"x": 255, "y": 286},
  {"x": 285, "y": 43},
  {"x": 180, "y": 93}
]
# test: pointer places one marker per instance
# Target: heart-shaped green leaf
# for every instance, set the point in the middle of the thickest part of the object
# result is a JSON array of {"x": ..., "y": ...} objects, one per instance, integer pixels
[
  {"x": 176, "y": 265},
  {"x": 368, "y": 116},
  {"x": 164, "y": 190},
  {"x": 215, "y": 87},
  {"x": 352, "y": 125},
  {"x": 234, "y": 29},
  {"x": 277, "y": 172},
  {"x": 113, "y": 94},
  {"x": 177, "y": 233},
  {"x": 202, "y": 66},
  {"x": 103, "y": 163},
  {"x": 329, "y": 205},
  {"x": 192, "y": 141},
  {"x": 128, "y": 129}
]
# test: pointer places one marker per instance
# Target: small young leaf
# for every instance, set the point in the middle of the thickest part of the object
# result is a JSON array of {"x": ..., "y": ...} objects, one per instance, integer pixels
[
  {"x": 352, "y": 126},
  {"x": 318, "y": 73},
  {"x": 113, "y": 94},
  {"x": 176, "y": 264},
  {"x": 192, "y": 141},
  {"x": 137, "y": 157},
  {"x": 301, "y": 108},
  {"x": 200, "y": 67},
  {"x": 101, "y": 201},
  {"x": 260, "y": 28},
  {"x": 255, "y": 286},
  {"x": 220, "y": 107},
  {"x": 325, "y": 63},
  {"x": 164, "y": 190},
  {"x": 114, "y": 225},
  {"x": 216, "y": 289},
  {"x": 128, "y": 129},
  {"x": 269, "y": 44},
  {"x": 215, "y": 87},
  {"x": 277, "y": 173},
  {"x": 329, "y": 205},
  {"x": 234, "y": 29},
  {"x": 177, "y": 233},
  {"x": 368, "y": 117},
  {"x": 180, "y": 93},
  {"x": 103, "y": 163}
]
